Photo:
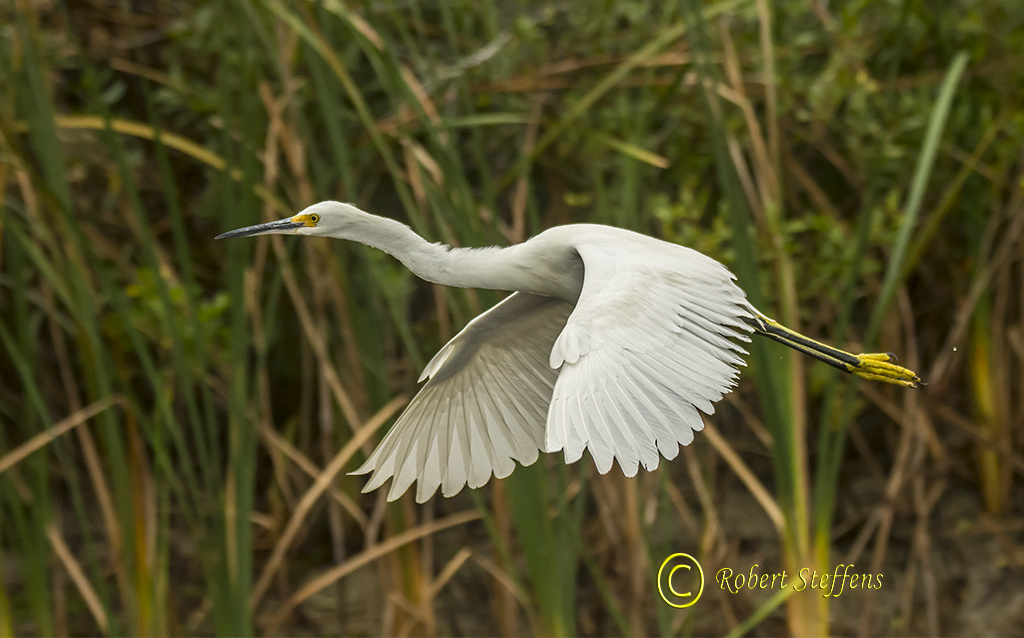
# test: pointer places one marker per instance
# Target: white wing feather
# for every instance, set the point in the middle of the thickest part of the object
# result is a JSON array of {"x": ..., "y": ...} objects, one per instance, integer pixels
[
  {"x": 483, "y": 408},
  {"x": 650, "y": 342}
]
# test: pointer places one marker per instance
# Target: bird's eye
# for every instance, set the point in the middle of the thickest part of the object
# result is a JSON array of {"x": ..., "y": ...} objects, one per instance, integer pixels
[{"x": 314, "y": 218}]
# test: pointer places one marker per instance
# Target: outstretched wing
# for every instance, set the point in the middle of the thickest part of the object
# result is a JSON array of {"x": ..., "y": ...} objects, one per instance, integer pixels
[
  {"x": 484, "y": 406},
  {"x": 650, "y": 342}
]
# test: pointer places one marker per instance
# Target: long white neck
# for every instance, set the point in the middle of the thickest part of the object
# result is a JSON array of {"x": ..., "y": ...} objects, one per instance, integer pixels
[{"x": 493, "y": 268}]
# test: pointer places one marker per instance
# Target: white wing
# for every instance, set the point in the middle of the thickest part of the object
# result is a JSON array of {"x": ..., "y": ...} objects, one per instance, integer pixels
[
  {"x": 484, "y": 406},
  {"x": 649, "y": 343}
]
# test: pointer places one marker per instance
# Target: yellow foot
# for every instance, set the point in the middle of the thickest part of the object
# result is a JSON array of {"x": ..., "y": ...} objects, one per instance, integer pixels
[{"x": 878, "y": 367}]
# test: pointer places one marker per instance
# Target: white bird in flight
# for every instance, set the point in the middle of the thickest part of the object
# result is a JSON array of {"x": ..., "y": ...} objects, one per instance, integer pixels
[{"x": 611, "y": 341}]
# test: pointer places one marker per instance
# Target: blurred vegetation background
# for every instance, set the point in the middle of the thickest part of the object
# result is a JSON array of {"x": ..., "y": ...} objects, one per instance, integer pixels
[{"x": 177, "y": 414}]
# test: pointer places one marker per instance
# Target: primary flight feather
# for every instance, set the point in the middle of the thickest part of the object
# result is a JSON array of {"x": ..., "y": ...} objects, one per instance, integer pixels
[{"x": 611, "y": 342}]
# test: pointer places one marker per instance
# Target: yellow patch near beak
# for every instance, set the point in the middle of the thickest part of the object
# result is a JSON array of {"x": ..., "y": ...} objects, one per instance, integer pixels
[{"x": 308, "y": 221}]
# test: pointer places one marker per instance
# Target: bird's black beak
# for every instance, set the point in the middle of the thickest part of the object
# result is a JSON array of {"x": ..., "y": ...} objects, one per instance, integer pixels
[{"x": 280, "y": 226}]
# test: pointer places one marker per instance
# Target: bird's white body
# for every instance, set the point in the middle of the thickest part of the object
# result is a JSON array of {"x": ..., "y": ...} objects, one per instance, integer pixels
[{"x": 613, "y": 342}]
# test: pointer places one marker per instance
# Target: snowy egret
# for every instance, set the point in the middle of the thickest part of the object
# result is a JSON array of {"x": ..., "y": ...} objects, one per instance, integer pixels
[{"x": 611, "y": 341}]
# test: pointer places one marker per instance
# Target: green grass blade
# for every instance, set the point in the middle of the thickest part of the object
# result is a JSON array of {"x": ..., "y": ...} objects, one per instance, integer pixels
[{"x": 922, "y": 174}]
